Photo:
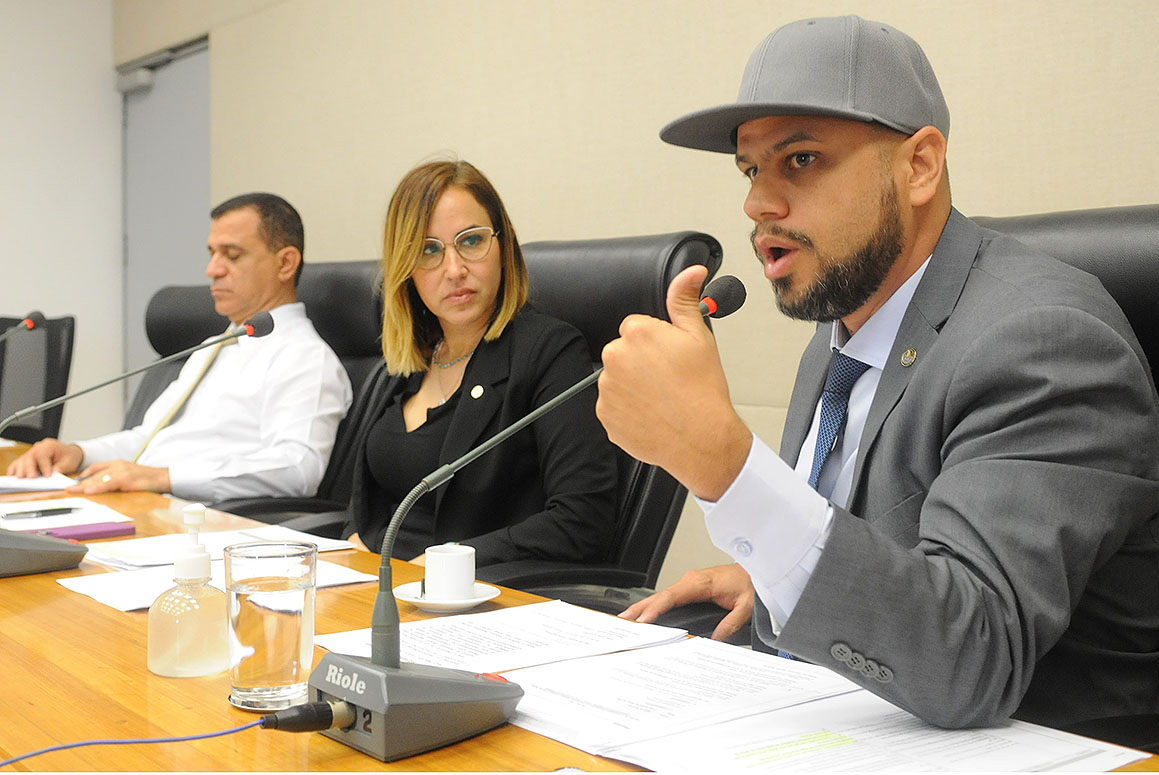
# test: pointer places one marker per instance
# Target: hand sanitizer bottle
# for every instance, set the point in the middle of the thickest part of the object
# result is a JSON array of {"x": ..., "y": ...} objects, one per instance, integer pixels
[{"x": 188, "y": 628}]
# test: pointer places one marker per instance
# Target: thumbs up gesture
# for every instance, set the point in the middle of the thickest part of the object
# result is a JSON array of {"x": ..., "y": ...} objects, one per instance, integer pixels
[{"x": 664, "y": 397}]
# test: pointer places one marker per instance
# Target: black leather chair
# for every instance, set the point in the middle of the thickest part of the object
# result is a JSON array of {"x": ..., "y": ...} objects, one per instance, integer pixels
[
  {"x": 1119, "y": 245},
  {"x": 34, "y": 368},
  {"x": 594, "y": 284},
  {"x": 342, "y": 301},
  {"x": 177, "y": 318}
]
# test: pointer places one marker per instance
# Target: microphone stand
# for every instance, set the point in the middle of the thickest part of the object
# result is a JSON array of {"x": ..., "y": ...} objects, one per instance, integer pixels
[
  {"x": 402, "y": 709},
  {"x": 245, "y": 330},
  {"x": 23, "y": 553},
  {"x": 384, "y": 634},
  {"x": 22, "y": 325}
]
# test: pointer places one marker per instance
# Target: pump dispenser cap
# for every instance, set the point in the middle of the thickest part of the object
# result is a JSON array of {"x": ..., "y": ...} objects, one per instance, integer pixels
[{"x": 192, "y": 561}]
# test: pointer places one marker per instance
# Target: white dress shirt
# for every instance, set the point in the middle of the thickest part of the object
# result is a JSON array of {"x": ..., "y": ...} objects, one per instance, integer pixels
[
  {"x": 769, "y": 519},
  {"x": 261, "y": 423}
]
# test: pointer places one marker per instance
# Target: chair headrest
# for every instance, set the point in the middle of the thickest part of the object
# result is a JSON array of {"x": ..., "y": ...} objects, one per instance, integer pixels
[
  {"x": 341, "y": 301},
  {"x": 1118, "y": 245},
  {"x": 344, "y": 303},
  {"x": 180, "y": 316},
  {"x": 594, "y": 284}
]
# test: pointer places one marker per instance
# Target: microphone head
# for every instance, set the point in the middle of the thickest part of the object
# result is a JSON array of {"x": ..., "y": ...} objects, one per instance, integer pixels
[
  {"x": 727, "y": 294},
  {"x": 259, "y": 325},
  {"x": 34, "y": 319}
]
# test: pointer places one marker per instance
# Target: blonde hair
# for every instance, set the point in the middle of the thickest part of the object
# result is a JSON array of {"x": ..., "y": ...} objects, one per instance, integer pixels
[{"x": 409, "y": 330}]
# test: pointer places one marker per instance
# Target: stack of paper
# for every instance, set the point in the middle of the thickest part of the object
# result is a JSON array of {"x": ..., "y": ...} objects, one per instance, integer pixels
[
  {"x": 35, "y": 484},
  {"x": 160, "y": 550},
  {"x": 599, "y": 703},
  {"x": 137, "y": 589},
  {"x": 509, "y": 638},
  {"x": 861, "y": 732},
  {"x": 147, "y": 562},
  {"x": 646, "y": 695}
]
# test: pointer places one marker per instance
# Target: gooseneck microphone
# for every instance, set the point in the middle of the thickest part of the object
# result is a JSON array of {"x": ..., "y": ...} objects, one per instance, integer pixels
[
  {"x": 32, "y": 320},
  {"x": 403, "y": 709},
  {"x": 260, "y": 324}
]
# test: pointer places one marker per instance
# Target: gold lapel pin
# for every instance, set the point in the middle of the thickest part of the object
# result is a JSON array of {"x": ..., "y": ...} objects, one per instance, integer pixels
[
  {"x": 909, "y": 356},
  {"x": 477, "y": 391}
]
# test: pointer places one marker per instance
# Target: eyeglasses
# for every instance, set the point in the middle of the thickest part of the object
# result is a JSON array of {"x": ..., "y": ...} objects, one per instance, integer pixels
[{"x": 471, "y": 244}]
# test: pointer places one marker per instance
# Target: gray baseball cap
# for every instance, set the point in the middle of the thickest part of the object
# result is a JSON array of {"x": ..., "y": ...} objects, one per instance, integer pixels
[{"x": 846, "y": 67}]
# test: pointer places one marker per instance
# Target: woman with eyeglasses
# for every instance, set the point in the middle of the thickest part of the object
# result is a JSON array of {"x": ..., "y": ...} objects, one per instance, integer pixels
[{"x": 469, "y": 357}]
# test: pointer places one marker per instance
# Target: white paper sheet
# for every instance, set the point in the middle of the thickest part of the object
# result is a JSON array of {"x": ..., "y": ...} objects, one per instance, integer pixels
[
  {"x": 35, "y": 484},
  {"x": 597, "y": 703},
  {"x": 160, "y": 550},
  {"x": 87, "y": 513},
  {"x": 862, "y": 732},
  {"x": 137, "y": 589},
  {"x": 521, "y": 636}
]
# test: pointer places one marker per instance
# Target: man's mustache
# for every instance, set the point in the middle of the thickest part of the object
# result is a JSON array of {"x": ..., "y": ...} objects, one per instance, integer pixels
[{"x": 773, "y": 230}]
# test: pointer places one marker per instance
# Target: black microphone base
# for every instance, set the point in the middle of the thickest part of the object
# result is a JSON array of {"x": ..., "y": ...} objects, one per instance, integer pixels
[{"x": 407, "y": 710}]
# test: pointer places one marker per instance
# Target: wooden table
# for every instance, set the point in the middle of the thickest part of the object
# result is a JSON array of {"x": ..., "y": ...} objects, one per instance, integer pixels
[{"x": 74, "y": 669}]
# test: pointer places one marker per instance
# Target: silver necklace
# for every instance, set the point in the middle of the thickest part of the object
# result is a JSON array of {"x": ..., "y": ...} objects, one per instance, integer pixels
[{"x": 448, "y": 364}]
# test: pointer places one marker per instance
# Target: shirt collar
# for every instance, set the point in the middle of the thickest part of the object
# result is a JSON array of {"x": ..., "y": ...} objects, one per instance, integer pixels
[
  {"x": 283, "y": 315},
  {"x": 872, "y": 342},
  {"x": 296, "y": 310}
]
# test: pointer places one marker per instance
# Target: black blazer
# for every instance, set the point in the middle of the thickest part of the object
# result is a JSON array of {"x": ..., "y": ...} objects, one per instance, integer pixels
[{"x": 549, "y": 491}]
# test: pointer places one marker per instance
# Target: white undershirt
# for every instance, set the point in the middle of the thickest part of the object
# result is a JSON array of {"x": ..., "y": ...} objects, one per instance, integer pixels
[{"x": 769, "y": 519}]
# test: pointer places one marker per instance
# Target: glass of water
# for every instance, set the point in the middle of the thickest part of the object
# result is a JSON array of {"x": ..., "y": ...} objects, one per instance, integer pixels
[{"x": 271, "y": 622}]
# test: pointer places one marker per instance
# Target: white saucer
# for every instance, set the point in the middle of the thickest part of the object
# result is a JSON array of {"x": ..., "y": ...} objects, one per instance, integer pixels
[{"x": 411, "y": 592}]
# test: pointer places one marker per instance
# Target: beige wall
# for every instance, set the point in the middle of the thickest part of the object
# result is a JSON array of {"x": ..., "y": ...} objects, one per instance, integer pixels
[
  {"x": 329, "y": 103},
  {"x": 144, "y": 27},
  {"x": 60, "y": 187}
]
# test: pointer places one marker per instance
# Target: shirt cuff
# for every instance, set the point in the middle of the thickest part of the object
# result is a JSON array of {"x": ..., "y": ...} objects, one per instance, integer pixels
[
  {"x": 112, "y": 446},
  {"x": 192, "y": 481},
  {"x": 774, "y": 525}
]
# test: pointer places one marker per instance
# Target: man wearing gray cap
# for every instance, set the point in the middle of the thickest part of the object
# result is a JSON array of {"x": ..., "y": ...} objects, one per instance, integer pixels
[{"x": 962, "y": 516}]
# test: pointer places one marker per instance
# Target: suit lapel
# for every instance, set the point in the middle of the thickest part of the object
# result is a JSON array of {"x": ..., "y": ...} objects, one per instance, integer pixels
[{"x": 932, "y": 303}]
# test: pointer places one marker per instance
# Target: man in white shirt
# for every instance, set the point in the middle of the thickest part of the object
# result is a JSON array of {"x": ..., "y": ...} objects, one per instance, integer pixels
[
  {"x": 962, "y": 518},
  {"x": 262, "y": 419}
]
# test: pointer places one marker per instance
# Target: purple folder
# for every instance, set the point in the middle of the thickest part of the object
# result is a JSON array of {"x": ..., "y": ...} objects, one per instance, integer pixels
[{"x": 96, "y": 530}]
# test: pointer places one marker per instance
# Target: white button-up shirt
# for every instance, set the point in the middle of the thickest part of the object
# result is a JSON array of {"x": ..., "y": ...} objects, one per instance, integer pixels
[
  {"x": 261, "y": 423},
  {"x": 769, "y": 519}
]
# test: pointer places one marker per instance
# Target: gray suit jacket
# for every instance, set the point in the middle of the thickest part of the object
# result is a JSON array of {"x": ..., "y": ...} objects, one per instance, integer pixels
[{"x": 1000, "y": 552}]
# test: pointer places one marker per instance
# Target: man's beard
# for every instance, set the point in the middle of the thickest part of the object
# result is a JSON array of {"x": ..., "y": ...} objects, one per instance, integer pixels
[{"x": 844, "y": 284}]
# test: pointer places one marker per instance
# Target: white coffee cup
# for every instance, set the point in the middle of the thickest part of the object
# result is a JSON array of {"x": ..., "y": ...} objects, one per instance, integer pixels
[{"x": 450, "y": 572}]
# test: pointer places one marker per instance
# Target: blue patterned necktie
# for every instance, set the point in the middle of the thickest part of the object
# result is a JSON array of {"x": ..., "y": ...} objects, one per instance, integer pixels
[{"x": 843, "y": 373}]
